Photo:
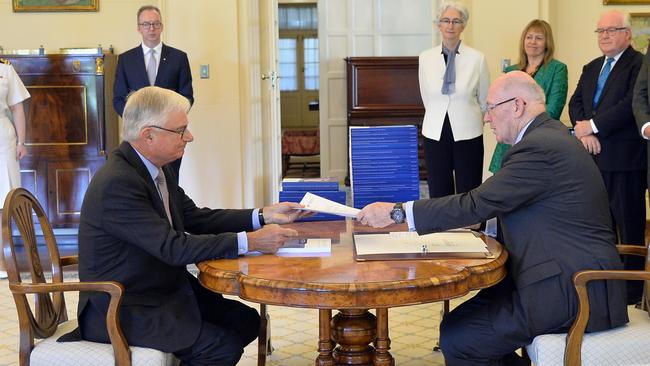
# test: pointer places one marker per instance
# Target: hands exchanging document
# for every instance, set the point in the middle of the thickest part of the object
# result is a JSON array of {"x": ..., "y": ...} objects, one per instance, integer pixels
[{"x": 272, "y": 236}]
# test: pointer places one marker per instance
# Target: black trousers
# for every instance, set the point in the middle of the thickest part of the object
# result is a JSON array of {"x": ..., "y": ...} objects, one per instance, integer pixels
[
  {"x": 228, "y": 326},
  {"x": 448, "y": 159},
  {"x": 626, "y": 192},
  {"x": 486, "y": 329}
]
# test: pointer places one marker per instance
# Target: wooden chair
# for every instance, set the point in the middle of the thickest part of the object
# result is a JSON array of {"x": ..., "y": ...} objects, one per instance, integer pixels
[
  {"x": 625, "y": 345},
  {"x": 49, "y": 319}
]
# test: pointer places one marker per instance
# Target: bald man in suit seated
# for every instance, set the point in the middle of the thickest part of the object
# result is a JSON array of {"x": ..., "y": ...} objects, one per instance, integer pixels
[
  {"x": 552, "y": 202},
  {"x": 138, "y": 227}
]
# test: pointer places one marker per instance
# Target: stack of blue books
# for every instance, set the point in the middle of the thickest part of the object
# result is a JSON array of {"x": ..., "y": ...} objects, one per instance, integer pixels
[
  {"x": 294, "y": 189},
  {"x": 384, "y": 164}
]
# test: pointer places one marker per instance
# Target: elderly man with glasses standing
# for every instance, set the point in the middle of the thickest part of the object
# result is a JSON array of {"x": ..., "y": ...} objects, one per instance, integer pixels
[
  {"x": 552, "y": 203},
  {"x": 601, "y": 112},
  {"x": 152, "y": 63}
]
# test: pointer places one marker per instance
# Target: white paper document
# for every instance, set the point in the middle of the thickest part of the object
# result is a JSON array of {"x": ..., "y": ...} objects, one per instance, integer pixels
[
  {"x": 299, "y": 246},
  {"x": 406, "y": 242},
  {"x": 316, "y": 203}
]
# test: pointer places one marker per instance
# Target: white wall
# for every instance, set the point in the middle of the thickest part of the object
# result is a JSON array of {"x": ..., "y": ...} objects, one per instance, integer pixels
[
  {"x": 349, "y": 28},
  {"x": 207, "y": 31}
]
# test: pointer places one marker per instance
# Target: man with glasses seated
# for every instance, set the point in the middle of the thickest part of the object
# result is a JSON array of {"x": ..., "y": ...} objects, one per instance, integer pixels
[
  {"x": 552, "y": 203},
  {"x": 139, "y": 228},
  {"x": 602, "y": 115},
  {"x": 152, "y": 63}
]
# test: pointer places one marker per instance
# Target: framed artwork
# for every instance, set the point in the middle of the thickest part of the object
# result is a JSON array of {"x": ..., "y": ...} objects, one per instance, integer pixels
[
  {"x": 627, "y": 2},
  {"x": 55, "y": 5},
  {"x": 640, "y": 31}
]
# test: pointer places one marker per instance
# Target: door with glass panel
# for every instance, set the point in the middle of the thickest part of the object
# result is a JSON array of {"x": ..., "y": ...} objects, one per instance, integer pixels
[{"x": 298, "y": 66}]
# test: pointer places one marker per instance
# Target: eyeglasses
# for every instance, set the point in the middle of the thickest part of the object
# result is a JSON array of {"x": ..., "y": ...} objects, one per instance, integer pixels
[
  {"x": 490, "y": 107},
  {"x": 447, "y": 21},
  {"x": 147, "y": 25},
  {"x": 609, "y": 31},
  {"x": 180, "y": 132}
]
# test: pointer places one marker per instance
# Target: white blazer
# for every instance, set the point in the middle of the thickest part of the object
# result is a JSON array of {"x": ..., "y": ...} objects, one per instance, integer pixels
[{"x": 465, "y": 105}]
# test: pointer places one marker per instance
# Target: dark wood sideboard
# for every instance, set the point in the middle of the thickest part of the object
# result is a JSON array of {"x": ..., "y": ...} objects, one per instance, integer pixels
[
  {"x": 385, "y": 91},
  {"x": 71, "y": 126}
]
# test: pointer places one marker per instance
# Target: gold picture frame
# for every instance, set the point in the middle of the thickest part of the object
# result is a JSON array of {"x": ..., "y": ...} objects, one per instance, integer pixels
[
  {"x": 640, "y": 31},
  {"x": 54, "y": 5},
  {"x": 625, "y": 2}
]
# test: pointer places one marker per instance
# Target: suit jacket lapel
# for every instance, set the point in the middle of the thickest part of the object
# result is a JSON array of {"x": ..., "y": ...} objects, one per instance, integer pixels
[
  {"x": 162, "y": 66},
  {"x": 592, "y": 78},
  {"x": 618, "y": 68},
  {"x": 134, "y": 160},
  {"x": 140, "y": 66}
]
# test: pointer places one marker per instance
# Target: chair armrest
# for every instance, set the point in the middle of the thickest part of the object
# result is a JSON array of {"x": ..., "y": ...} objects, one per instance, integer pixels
[
  {"x": 572, "y": 355},
  {"x": 69, "y": 260},
  {"x": 632, "y": 250},
  {"x": 114, "y": 289}
]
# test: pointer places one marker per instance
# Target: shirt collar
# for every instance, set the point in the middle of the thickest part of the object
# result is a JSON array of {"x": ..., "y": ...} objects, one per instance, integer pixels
[
  {"x": 151, "y": 168},
  {"x": 157, "y": 48},
  {"x": 616, "y": 57},
  {"x": 523, "y": 130}
]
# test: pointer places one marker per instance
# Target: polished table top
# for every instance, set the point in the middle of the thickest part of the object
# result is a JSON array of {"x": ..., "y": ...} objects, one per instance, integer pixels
[{"x": 338, "y": 281}]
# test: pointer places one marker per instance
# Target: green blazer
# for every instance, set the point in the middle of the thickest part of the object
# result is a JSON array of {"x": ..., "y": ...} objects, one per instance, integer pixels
[{"x": 552, "y": 77}]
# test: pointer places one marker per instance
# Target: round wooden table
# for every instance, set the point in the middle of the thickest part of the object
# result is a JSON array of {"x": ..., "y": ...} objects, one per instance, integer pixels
[{"x": 338, "y": 281}]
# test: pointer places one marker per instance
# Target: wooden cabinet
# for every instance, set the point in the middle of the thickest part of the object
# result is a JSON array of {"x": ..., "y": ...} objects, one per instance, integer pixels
[
  {"x": 71, "y": 125},
  {"x": 385, "y": 91}
]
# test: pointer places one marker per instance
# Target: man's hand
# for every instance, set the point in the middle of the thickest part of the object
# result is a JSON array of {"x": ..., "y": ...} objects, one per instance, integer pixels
[
  {"x": 583, "y": 128},
  {"x": 646, "y": 132},
  {"x": 284, "y": 213},
  {"x": 376, "y": 214},
  {"x": 269, "y": 238},
  {"x": 591, "y": 143}
]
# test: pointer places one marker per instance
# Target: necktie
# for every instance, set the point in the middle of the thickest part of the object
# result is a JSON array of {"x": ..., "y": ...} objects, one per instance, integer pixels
[
  {"x": 602, "y": 78},
  {"x": 161, "y": 183},
  {"x": 151, "y": 67}
]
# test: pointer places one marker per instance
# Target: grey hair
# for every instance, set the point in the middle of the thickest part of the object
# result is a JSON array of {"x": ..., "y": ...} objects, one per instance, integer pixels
[
  {"x": 148, "y": 7},
  {"x": 150, "y": 106},
  {"x": 627, "y": 19},
  {"x": 464, "y": 13}
]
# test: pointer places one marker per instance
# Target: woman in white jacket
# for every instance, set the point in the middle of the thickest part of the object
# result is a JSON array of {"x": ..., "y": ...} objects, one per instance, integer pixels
[{"x": 454, "y": 80}]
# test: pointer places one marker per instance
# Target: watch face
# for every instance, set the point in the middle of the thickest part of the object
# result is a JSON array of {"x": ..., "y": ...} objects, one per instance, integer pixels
[{"x": 397, "y": 214}]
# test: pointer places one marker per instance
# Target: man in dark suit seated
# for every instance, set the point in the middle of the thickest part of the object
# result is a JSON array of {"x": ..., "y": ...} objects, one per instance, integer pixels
[
  {"x": 601, "y": 111},
  {"x": 551, "y": 199},
  {"x": 152, "y": 63},
  {"x": 138, "y": 227}
]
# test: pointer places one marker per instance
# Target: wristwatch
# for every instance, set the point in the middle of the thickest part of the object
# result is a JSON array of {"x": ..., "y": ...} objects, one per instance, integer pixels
[{"x": 397, "y": 213}]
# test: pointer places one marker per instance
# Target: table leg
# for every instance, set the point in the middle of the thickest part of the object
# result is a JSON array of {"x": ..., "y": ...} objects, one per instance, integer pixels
[
  {"x": 325, "y": 344},
  {"x": 382, "y": 343},
  {"x": 354, "y": 330}
]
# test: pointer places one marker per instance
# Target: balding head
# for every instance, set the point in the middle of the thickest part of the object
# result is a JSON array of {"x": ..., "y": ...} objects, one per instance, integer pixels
[
  {"x": 514, "y": 99},
  {"x": 614, "y": 33}
]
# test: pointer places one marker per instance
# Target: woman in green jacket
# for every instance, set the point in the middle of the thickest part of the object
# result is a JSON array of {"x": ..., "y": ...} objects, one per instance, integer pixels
[{"x": 536, "y": 58}]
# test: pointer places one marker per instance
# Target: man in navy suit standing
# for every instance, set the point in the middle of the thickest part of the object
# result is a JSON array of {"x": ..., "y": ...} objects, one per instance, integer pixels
[
  {"x": 152, "y": 63},
  {"x": 601, "y": 111}
]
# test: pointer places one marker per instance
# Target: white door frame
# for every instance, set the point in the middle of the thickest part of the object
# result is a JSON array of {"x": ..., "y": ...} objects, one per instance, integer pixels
[{"x": 260, "y": 101}]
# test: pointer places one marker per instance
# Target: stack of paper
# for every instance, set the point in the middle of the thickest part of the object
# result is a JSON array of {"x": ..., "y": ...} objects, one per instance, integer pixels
[
  {"x": 294, "y": 190},
  {"x": 384, "y": 164},
  {"x": 307, "y": 246}
]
